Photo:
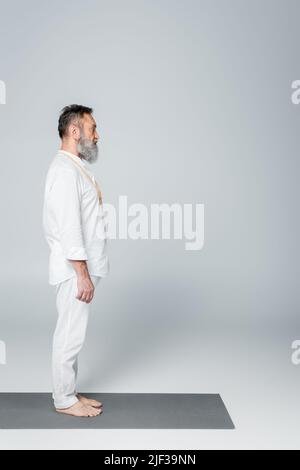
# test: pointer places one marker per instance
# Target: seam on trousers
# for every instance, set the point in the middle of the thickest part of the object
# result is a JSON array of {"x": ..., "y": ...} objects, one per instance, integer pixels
[{"x": 67, "y": 333}]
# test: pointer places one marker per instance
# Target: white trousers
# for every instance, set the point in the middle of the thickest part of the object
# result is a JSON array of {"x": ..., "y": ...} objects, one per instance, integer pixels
[{"x": 68, "y": 340}]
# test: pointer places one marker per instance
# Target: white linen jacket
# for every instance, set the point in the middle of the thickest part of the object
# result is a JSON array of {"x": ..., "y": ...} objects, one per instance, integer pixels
[{"x": 73, "y": 221}]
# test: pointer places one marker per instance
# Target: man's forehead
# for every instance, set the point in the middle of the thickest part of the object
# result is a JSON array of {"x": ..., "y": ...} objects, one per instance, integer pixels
[{"x": 89, "y": 119}]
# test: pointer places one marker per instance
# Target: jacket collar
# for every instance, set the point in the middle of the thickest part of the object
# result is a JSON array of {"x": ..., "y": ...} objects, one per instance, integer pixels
[{"x": 75, "y": 157}]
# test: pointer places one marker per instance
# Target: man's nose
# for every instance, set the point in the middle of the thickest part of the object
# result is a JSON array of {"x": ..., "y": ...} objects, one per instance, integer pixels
[{"x": 96, "y": 137}]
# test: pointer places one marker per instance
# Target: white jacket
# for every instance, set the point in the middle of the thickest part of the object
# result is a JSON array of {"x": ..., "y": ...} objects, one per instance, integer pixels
[{"x": 73, "y": 221}]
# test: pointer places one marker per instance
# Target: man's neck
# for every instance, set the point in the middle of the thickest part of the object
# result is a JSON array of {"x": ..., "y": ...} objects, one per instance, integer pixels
[{"x": 70, "y": 147}]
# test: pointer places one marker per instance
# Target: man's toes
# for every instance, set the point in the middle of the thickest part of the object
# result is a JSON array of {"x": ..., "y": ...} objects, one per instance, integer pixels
[
  {"x": 93, "y": 411},
  {"x": 95, "y": 403},
  {"x": 89, "y": 401}
]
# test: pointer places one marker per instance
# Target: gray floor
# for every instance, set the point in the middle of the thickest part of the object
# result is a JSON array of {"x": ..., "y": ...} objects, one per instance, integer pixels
[{"x": 120, "y": 411}]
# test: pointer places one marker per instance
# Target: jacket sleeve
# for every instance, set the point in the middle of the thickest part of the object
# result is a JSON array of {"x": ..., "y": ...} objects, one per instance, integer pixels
[{"x": 66, "y": 209}]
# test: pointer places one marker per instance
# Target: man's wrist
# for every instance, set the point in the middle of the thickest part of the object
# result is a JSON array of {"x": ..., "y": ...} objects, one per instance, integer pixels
[{"x": 81, "y": 268}]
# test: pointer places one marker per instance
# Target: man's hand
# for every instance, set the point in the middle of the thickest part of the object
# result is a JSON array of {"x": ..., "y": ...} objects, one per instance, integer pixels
[
  {"x": 85, "y": 289},
  {"x": 85, "y": 286}
]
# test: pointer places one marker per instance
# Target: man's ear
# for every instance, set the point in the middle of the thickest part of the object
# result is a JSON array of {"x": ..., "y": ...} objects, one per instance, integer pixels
[{"x": 74, "y": 131}]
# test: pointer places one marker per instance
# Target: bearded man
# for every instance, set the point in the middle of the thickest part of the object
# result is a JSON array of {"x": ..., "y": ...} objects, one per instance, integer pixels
[{"x": 74, "y": 228}]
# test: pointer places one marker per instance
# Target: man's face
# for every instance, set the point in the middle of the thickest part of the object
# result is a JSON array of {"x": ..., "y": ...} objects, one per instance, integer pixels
[
  {"x": 87, "y": 145},
  {"x": 89, "y": 128}
]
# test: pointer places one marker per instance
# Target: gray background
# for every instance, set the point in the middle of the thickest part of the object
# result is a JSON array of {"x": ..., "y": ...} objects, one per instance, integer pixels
[{"x": 193, "y": 103}]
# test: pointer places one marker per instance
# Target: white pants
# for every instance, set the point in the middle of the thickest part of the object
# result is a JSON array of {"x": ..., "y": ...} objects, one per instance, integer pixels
[{"x": 68, "y": 340}]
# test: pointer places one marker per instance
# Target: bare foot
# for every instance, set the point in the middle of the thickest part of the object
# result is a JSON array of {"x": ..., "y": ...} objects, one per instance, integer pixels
[
  {"x": 80, "y": 410},
  {"x": 89, "y": 401}
]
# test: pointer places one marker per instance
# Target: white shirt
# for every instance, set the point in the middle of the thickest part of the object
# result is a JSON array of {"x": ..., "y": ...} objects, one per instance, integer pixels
[{"x": 73, "y": 220}]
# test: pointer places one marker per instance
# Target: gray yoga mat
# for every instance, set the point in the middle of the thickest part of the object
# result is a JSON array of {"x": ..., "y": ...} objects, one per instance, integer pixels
[{"x": 120, "y": 411}]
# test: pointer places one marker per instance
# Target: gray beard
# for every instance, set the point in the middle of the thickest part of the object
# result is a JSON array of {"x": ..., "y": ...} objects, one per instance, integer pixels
[{"x": 87, "y": 150}]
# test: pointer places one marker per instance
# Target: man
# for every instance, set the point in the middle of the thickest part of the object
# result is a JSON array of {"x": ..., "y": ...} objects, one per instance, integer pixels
[{"x": 73, "y": 222}]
